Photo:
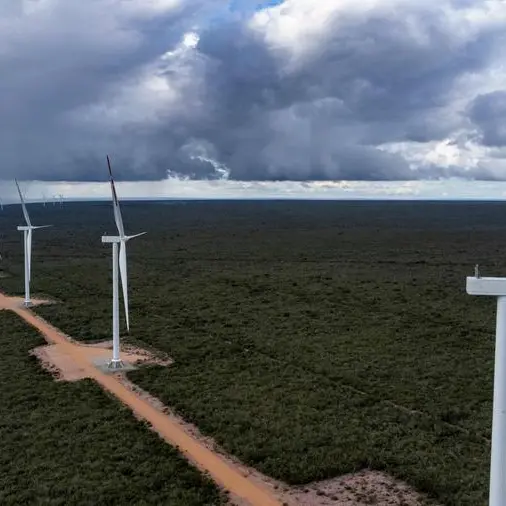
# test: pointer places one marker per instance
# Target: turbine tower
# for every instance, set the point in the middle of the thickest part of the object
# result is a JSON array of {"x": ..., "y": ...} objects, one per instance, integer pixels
[
  {"x": 27, "y": 232},
  {"x": 496, "y": 287},
  {"x": 120, "y": 239},
  {"x": 59, "y": 197}
]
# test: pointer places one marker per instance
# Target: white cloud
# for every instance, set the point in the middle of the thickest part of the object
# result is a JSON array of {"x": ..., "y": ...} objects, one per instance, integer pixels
[{"x": 299, "y": 28}]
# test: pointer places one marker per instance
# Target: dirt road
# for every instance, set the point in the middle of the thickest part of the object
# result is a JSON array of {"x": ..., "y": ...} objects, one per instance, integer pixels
[{"x": 222, "y": 472}]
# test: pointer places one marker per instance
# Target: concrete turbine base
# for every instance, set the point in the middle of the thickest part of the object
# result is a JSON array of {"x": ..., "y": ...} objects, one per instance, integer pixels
[
  {"x": 116, "y": 364},
  {"x": 112, "y": 366}
]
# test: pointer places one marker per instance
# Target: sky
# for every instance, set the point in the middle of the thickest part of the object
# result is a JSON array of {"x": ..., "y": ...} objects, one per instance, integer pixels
[{"x": 254, "y": 97}]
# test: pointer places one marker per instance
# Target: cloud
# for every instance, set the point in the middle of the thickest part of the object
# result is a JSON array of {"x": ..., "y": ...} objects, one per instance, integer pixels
[
  {"x": 79, "y": 78},
  {"x": 487, "y": 111},
  {"x": 295, "y": 90}
]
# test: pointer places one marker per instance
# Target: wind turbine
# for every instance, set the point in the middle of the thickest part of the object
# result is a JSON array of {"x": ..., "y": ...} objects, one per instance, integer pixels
[
  {"x": 496, "y": 287},
  {"x": 120, "y": 239},
  {"x": 59, "y": 197},
  {"x": 27, "y": 232}
]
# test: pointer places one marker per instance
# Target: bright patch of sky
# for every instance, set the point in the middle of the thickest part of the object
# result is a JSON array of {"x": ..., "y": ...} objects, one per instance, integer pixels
[
  {"x": 180, "y": 188},
  {"x": 252, "y": 5}
]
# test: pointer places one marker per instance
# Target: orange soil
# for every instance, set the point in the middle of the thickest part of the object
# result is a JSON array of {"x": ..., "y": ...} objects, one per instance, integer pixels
[
  {"x": 53, "y": 356},
  {"x": 225, "y": 474}
]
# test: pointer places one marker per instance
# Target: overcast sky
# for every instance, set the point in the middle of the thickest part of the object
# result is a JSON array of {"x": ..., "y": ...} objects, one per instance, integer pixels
[{"x": 300, "y": 90}]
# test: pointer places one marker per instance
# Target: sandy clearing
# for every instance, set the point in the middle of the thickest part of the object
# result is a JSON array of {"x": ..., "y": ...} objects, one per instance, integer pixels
[
  {"x": 17, "y": 302},
  {"x": 358, "y": 489},
  {"x": 221, "y": 471},
  {"x": 57, "y": 360}
]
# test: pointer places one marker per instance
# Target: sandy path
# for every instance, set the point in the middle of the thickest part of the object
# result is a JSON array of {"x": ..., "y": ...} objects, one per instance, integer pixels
[{"x": 223, "y": 473}]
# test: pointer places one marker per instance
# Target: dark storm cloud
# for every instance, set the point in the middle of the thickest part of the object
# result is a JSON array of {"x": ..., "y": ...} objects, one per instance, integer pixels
[
  {"x": 65, "y": 57},
  {"x": 319, "y": 105},
  {"x": 372, "y": 82},
  {"x": 488, "y": 113}
]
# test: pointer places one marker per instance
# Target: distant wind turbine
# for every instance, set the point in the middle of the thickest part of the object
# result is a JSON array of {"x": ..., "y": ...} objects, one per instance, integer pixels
[
  {"x": 120, "y": 239},
  {"x": 58, "y": 197},
  {"x": 27, "y": 232}
]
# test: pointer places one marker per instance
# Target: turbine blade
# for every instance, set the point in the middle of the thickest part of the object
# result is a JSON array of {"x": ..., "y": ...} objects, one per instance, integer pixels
[
  {"x": 117, "y": 212},
  {"x": 124, "y": 279},
  {"x": 29, "y": 253},
  {"x": 128, "y": 237},
  {"x": 25, "y": 212},
  {"x": 40, "y": 226}
]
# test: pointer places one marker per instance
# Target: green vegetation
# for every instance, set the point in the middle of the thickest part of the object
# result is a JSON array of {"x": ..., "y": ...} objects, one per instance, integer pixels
[
  {"x": 310, "y": 338},
  {"x": 70, "y": 443}
]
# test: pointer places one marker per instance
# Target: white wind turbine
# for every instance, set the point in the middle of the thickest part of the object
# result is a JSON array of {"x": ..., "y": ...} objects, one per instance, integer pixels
[
  {"x": 58, "y": 197},
  {"x": 496, "y": 287},
  {"x": 27, "y": 232},
  {"x": 120, "y": 239}
]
